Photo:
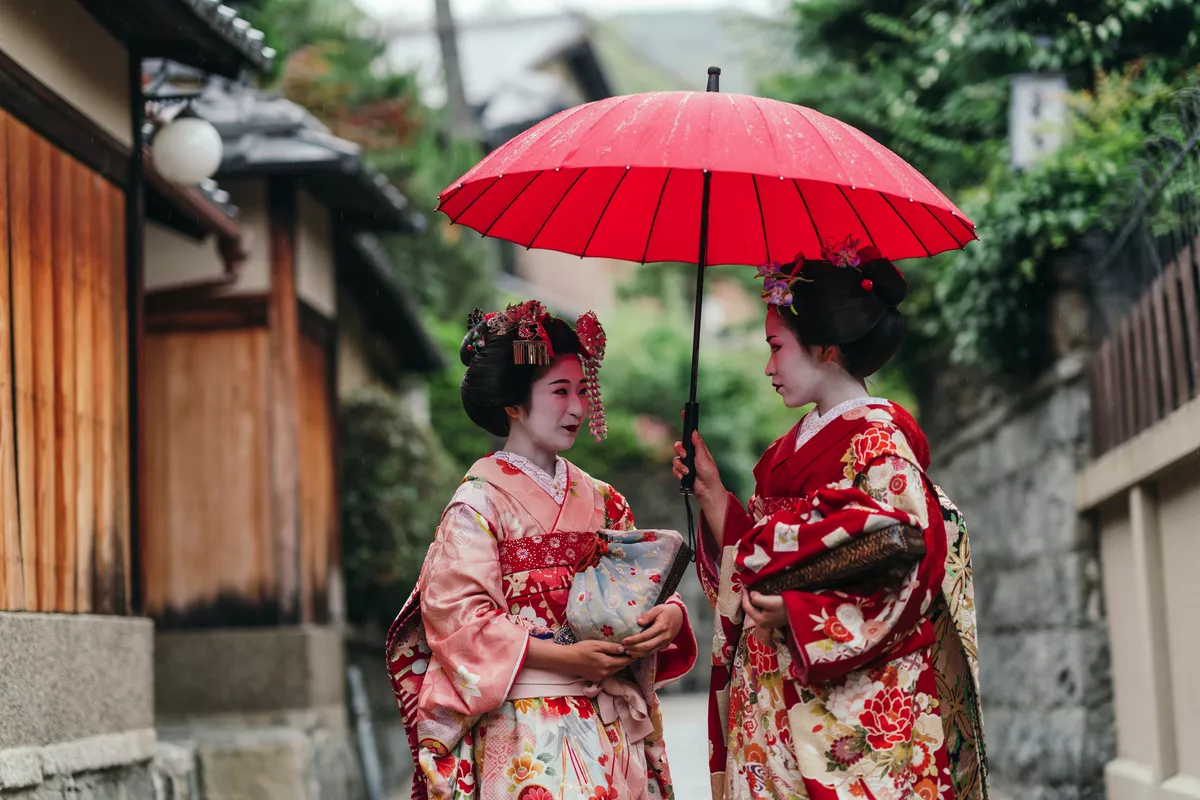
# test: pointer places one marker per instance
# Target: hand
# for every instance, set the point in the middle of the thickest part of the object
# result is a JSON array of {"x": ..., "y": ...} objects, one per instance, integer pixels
[
  {"x": 708, "y": 485},
  {"x": 440, "y": 790},
  {"x": 595, "y": 660},
  {"x": 662, "y": 623},
  {"x": 767, "y": 612}
]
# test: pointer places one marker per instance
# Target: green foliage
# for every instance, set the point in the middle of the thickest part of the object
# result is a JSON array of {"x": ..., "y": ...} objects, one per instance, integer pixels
[
  {"x": 1025, "y": 218},
  {"x": 463, "y": 440},
  {"x": 396, "y": 479},
  {"x": 930, "y": 80}
]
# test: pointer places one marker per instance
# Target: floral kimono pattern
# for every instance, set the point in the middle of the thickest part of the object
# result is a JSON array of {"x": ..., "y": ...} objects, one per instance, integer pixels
[
  {"x": 867, "y": 693},
  {"x": 499, "y": 572}
]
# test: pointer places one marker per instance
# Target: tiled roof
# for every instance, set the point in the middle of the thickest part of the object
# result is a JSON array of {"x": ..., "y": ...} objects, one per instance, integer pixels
[
  {"x": 267, "y": 134},
  {"x": 206, "y": 34}
]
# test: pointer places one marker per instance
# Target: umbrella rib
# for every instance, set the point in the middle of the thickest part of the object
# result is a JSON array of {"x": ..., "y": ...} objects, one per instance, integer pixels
[
  {"x": 969, "y": 229},
  {"x": 486, "y": 189},
  {"x": 808, "y": 211},
  {"x": 654, "y": 219},
  {"x": 553, "y": 210},
  {"x": 762, "y": 218},
  {"x": 453, "y": 193},
  {"x": 916, "y": 236},
  {"x": 939, "y": 222},
  {"x": 516, "y": 197},
  {"x": 603, "y": 211},
  {"x": 861, "y": 221}
]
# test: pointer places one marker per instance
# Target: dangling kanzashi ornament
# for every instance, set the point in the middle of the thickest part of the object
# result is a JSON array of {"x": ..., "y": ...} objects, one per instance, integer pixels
[{"x": 592, "y": 341}]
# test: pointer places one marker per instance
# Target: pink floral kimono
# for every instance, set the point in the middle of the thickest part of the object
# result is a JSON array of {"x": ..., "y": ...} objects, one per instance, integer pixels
[
  {"x": 499, "y": 571},
  {"x": 871, "y": 693}
]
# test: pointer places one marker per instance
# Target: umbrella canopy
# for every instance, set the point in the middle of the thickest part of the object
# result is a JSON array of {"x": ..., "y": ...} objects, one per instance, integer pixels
[
  {"x": 624, "y": 178},
  {"x": 702, "y": 178}
]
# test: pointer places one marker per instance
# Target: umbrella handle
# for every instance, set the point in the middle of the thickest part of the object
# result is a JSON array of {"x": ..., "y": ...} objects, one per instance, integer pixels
[{"x": 691, "y": 421}]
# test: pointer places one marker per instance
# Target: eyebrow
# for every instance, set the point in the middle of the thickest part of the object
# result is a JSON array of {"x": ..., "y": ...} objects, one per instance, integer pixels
[{"x": 560, "y": 380}]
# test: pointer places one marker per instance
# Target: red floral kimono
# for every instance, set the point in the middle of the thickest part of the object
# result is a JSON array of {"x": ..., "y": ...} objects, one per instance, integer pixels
[
  {"x": 499, "y": 572},
  {"x": 869, "y": 693}
]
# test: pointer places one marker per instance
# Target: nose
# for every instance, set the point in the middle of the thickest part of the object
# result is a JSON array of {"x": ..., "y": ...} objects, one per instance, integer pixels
[{"x": 576, "y": 407}]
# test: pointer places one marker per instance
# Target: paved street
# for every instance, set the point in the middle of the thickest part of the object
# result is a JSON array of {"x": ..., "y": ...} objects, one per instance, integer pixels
[{"x": 685, "y": 725}]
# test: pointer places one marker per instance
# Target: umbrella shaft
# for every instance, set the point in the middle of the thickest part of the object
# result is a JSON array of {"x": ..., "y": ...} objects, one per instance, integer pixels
[
  {"x": 701, "y": 265},
  {"x": 691, "y": 416}
]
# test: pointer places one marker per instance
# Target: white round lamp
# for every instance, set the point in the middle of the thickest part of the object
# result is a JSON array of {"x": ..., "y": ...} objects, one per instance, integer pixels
[{"x": 187, "y": 149}]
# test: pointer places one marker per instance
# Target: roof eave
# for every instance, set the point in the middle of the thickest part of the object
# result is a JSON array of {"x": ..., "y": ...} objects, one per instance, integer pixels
[{"x": 201, "y": 33}]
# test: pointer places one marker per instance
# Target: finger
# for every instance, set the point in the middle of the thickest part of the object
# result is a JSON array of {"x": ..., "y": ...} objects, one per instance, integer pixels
[
  {"x": 640, "y": 639},
  {"x": 654, "y": 644},
  {"x": 767, "y": 602},
  {"x": 679, "y": 451},
  {"x": 649, "y": 616},
  {"x": 746, "y": 604}
]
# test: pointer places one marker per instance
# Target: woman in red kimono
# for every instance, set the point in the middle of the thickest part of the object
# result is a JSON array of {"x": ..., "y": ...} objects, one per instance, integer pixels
[
  {"x": 494, "y": 709},
  {"x": 867, "y": 692}
]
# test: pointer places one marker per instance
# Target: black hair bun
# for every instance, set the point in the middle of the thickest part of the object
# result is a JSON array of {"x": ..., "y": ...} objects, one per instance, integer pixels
[
  {"x": 888, "y": 282},
  {"x": 471, "y": 344}
]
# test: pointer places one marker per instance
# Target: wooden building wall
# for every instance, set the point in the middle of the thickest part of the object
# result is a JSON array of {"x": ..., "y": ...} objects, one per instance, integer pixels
[
  {"x": 240, "y": 479},
  {"x": 64, "y": 456}
]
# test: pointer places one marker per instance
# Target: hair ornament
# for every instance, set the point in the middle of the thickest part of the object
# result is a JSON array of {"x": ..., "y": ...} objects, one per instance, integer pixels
[
  {"x": 473, "y": 327},
  {"x": 592, "y": 342},
  {"x": 532, "y": 345},
  {"x": 778, "y": 283}
]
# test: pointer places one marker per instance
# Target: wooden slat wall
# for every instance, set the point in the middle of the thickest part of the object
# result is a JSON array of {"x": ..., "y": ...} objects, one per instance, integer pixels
[
  {"x": 63, "y": 322},
  {"x": 12, "y": 583},
  {"x": 318, "y": 489},
  {"x": 208, "y": 554},
  {"x": 1151, "y": 365}
]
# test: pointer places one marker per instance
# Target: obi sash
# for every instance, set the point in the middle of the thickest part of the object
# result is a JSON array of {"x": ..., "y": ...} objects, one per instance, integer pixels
[{"x": 617, "y": 698}]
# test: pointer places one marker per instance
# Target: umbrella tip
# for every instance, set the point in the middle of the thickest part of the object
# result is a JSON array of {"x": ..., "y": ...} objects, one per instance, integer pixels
[{"x": 714, "y": 79}]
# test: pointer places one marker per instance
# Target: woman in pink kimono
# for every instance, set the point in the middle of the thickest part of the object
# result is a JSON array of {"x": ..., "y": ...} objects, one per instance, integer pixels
[{"x": 493, "y": 707}]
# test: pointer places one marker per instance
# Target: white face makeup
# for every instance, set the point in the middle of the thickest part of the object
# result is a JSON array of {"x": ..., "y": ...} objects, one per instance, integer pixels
[
  {"x": 558, "y": 407},
  {"x": 795, "y": 371}
]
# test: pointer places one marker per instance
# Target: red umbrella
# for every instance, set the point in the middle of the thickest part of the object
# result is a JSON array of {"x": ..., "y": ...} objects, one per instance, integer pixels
[{"x": 701, "y": 178}]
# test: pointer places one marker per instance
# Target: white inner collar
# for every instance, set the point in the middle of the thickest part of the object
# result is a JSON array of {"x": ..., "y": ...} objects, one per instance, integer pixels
[
  {"x": 554, "y": 485},
  {"x": 814, "y": 421}
]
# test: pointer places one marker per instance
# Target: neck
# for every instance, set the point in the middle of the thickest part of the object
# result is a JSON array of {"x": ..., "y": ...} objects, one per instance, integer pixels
[
  {"x": 523, "y": 446},
  {"x": 840, "y": 388}
]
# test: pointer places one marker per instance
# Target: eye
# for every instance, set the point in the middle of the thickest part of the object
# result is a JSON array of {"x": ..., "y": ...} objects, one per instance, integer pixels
[
  {"x": 774, "y": 348},
  {"x": 561, "y": 392},
  {"x": 583, "y": 391}
]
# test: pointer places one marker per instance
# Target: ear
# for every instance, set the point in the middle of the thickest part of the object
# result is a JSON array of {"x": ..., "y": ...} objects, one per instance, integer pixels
[
  {"x": 514, "y": 412},
  {"x": 831, "y": 354}
]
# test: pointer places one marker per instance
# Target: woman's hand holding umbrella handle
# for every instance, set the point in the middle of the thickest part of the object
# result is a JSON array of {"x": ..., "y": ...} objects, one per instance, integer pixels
[{"x": 708, "y": 487}]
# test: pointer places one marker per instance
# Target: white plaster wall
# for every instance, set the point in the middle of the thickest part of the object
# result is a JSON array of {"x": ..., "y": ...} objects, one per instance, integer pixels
[
  {"x": 315, "y": 278},
  {"x": 61, "y": 45}
]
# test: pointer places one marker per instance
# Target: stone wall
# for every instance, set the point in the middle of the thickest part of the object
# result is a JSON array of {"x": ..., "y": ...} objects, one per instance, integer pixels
[{"x": 1047, "y": 689}]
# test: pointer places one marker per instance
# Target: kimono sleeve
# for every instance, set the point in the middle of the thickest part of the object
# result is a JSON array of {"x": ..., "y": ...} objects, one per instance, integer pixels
[
  {"x": 476, "y": 648},
  {"x": 836, "y": 632},
  {"x": 708, "y": 560}
]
